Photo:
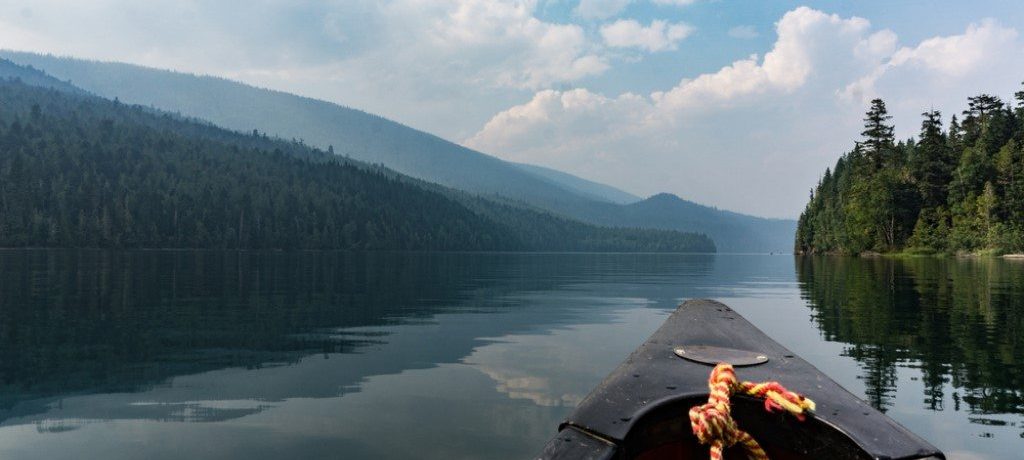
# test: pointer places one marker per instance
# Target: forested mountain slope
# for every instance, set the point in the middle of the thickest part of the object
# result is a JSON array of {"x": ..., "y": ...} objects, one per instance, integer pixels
[
  {"x": 373, "y": 139},
  {"x": 350, "y": 132},
  {"x": 80, "y": 171},
  {"x": 956, "y": 188}
]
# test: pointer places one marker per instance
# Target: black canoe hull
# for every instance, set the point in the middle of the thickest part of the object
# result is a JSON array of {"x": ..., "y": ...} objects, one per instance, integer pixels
[{"x": 639, "y": 410}]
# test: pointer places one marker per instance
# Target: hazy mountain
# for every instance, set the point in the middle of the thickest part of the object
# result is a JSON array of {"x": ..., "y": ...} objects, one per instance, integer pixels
[
  {"x": 374, "y": 139},
  {"x": 77, "y": 170},
  {"x": 597, "y": 191},
  {"x": 350, "y": 132},
  {"x": 34, "y": 77},
  {"x": 738, "y": 232}
]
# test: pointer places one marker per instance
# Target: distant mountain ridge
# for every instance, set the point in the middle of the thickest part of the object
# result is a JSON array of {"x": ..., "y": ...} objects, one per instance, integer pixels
[
  {"x": 373, "y": 139},
  {"x": 739, "y": 232},
  {"x": 600, "y": 192},
  {"x": 35, "y": 77}
]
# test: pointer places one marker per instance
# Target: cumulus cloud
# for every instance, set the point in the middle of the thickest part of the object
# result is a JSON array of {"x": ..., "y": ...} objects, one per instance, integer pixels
[
  {"x": 975, "y": 53},
  {"x": 530, "y": 53},
  {"x": 658, "y": 36},
  {"x": 768, "y": 125},
  {"x": 551, "y": 115}
]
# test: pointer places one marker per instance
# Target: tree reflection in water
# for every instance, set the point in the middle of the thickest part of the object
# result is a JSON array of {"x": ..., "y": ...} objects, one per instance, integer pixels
[{"x": 960, "y": 321}]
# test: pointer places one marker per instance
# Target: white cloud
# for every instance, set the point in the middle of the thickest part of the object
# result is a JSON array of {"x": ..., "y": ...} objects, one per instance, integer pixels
[
  {"x": 975, "y": 53},
  {"x": 806, "y": 37},
  {"x": 531, "y": 126},
  {"x": 765, "y": 125},
  {"x": 658, "y": 36},
  {"x": 958, "y": 55},
  {"x": 529, "y": 53},
  {"x": 744, "y": 32}
]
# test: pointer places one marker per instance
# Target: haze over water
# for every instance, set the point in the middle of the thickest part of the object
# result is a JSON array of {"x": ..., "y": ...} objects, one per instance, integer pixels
[{"x": 206, "y": 354}]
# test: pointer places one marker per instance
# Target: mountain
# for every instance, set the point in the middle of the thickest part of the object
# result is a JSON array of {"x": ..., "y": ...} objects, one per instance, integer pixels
[
  {"x": 738, "y": 232},
  {"x": 374, "y": 139},
  {"x": 35, "y": 77},
  {"x": 580, "y": 186},
  {"x": 350, "y": 132},
  {"x": 80, "y": 171}
]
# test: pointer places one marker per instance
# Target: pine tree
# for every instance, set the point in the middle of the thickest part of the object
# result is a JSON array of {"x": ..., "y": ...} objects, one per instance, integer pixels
[
  {"x": 878, "y": 134},
  {"x": 931, "y": 164},
  {"x": 980, "y": 111},
  {"x": 955, "y": 135}
]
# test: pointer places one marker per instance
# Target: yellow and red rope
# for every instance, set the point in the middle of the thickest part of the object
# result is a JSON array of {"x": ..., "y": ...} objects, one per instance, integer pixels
[{"x": 713, "y": 424}]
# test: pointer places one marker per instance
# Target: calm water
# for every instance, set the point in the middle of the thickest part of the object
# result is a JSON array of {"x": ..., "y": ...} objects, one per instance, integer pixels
[{"x": 308, "y": 355}]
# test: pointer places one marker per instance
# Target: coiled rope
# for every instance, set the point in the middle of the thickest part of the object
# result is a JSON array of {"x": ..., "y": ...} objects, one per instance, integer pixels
[{"x": 713, "y": 424}]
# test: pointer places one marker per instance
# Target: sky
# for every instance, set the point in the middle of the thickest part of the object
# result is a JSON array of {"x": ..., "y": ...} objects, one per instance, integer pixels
[{"x": 736, "y": 104}]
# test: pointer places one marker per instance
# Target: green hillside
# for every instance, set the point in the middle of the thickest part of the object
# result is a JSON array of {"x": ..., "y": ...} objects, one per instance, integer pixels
[{"x": 80, "y": 171}]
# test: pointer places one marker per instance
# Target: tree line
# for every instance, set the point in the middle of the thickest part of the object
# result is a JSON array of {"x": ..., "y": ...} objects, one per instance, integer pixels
[
  {"x": 81, "y": 171},
  {"x": 955, "y": 188}
]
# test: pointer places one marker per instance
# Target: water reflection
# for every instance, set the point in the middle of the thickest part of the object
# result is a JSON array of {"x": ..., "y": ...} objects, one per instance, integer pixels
[
  {"x": 165, "y": 354},
  {"x": 960, "y": 323},
  {"x": 109, "y": 350}
]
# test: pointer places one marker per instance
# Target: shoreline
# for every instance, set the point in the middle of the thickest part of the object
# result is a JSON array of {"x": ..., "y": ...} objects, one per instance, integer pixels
[{"x": 908, "y": 254}]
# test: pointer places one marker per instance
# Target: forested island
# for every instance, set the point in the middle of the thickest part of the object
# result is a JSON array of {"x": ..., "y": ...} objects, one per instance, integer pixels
[
  {"x": 954, "y": 189},
  {"x": 77, "y": 170}
]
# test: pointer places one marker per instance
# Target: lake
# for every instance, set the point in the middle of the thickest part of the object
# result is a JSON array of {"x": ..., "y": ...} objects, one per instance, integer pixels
[{"x": 207, "y": 354}]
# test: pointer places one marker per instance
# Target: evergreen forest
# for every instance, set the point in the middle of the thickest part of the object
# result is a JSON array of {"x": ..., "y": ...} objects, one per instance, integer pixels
[
  {"x": 958, "y": 187},
  {"x": 77, "y": 170}
]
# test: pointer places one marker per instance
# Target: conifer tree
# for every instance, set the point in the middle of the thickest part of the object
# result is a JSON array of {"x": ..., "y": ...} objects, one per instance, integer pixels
[
  {"x": 931, "y": 163},
  {"x": 878, "y": 134}
]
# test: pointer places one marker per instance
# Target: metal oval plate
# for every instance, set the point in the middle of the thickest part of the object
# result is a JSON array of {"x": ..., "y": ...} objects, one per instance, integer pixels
[{"x": 706, "y": 354}]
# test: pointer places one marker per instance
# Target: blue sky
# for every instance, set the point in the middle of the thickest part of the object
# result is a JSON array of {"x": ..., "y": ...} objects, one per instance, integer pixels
[{"x": 737, "y": 104}]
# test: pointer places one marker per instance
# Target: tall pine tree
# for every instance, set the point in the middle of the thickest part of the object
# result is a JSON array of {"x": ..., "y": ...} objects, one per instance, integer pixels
[
  {"x": 931, "y": 164},
  {"x": 878, "y": 134}
]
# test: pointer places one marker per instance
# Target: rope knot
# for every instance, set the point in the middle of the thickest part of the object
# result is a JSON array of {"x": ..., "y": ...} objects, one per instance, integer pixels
[{"x": 712, "y": 422}]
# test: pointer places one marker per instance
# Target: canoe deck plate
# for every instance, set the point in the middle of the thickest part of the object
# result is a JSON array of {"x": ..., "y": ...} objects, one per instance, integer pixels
[{"x": 706, "y": 354}]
